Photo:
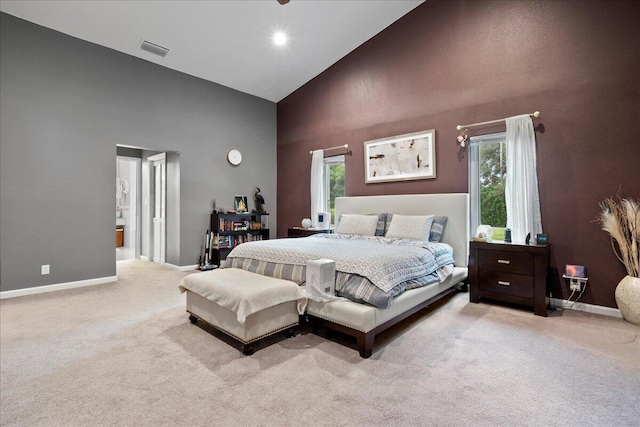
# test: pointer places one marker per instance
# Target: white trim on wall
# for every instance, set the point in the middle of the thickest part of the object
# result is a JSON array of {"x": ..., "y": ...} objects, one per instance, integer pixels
[
  {"x": 589, "y": 308},
  {"x": 181, "y": 268},
  {"x": 57, "y": 287}
]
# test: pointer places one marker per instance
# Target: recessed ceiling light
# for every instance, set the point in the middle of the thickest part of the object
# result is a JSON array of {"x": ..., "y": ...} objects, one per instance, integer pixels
[{"x": 280, "y": 38}]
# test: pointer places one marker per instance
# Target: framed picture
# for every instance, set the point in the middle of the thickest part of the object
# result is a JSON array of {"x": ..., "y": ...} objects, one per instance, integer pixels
[
  {"x": 402, "y": 157},
  {"x": 240, "y": 204}
]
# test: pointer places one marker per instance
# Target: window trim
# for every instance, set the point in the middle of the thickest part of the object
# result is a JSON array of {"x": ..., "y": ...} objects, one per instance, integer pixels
[
  {"x": 328, "y": 162},
  {"x": 474, "y": 173}
]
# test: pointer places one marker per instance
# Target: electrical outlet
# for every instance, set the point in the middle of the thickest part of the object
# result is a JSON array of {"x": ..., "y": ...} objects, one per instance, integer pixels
[
  {"x": 44, "y": 269},
  {"x": 575, "y": 285}
]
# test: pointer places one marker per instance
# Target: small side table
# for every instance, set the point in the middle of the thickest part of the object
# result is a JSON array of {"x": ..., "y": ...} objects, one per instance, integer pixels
[
  {"x": 509, "y": 272},
  {"x": 304, "y": 232}
]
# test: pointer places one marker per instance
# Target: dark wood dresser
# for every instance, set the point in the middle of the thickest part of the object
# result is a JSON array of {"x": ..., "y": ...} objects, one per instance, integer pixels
[{"x": 510, "y": 272}]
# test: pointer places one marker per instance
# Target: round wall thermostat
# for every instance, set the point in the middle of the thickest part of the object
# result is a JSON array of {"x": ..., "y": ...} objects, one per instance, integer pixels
[{"x": 234, "y": 156}]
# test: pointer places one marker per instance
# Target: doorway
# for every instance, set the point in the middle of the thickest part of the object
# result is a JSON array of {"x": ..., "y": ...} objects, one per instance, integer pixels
[
  {"x": 128, "y": 170},
  {"x": 158, "y": 203}
]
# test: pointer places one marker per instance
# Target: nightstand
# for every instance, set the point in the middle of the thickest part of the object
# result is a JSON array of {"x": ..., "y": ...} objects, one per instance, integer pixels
[
  {"x": 509, "y": 272},
  {"x": 304, "y": 232}
]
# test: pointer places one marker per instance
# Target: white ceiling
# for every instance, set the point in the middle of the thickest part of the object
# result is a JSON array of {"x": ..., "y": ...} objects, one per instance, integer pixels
[{"x": 227, "y": 42}]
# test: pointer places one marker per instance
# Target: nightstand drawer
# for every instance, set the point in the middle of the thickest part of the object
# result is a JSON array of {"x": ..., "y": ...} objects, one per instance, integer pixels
[
  {"x": 506, "y": 283},
  {"x": 511, "y": 262}
]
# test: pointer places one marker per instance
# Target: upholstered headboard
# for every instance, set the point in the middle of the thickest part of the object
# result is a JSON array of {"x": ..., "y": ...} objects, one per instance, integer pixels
[{"x": 454, "y": 205}]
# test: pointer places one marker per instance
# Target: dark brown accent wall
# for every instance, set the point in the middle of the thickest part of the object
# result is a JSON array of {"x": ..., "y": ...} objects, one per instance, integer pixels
[{"x": 456, "y": 62}]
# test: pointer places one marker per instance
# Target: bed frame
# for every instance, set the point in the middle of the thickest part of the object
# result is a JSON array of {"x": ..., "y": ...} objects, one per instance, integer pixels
[{"x": 364, "y": 321}]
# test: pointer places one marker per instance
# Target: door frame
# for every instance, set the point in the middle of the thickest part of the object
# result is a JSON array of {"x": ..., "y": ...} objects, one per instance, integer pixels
[{"x": 151, "y": 205}]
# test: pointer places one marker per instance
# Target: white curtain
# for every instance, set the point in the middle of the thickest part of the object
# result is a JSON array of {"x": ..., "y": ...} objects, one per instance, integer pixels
[
  {"x": 317, "y": 186},
  {"x": 521, "y": 193}
]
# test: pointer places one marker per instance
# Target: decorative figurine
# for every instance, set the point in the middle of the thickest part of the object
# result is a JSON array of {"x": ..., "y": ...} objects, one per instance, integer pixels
[{"x": 259, "y": 201}]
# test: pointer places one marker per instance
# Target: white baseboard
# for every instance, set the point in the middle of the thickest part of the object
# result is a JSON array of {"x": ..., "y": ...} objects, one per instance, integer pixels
[
  {"x": 57, "y": 287},
  {"x": 181, "y": 268},
  {"x": 589, "y": 308},
  {"x": 144, "y": 258}
]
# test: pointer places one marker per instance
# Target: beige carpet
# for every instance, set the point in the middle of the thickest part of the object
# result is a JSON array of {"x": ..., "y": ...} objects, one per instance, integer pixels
[{"x": 125, "y": 354}]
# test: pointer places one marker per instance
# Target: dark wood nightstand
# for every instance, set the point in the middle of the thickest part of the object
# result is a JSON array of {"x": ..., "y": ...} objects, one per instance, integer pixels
[
  {"x": 304, "y": 232},
  {"x": 509, "y": 272}
]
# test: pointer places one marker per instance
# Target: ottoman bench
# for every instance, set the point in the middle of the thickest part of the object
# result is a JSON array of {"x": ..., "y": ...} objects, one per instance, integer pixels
[{"x": 244, "y": 305}]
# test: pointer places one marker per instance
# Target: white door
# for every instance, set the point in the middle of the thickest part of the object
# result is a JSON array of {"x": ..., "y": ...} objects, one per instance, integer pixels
[{"x": 159, "y": 207}]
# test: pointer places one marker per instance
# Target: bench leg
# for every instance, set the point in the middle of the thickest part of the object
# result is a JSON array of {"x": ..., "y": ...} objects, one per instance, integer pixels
[
  {"x": 291, "y": 332},
  {"x": 248, "y": 349}
]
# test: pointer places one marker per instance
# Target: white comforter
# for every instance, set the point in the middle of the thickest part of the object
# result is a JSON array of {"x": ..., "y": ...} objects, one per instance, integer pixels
[{"x": 385, "y": 262}]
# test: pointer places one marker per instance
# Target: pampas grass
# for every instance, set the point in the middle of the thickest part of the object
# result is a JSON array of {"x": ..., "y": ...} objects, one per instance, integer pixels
[{"x": 621, "y": 219}]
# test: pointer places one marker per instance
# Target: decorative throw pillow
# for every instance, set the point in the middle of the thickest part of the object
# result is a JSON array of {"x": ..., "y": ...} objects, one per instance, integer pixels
[
  {"x": 363, "y": 225},
  {"x": 414, "y": 227},
  {"x": 437, "y": 228},
  {"x": 380, "y": 227},
  {"x": 387, "y": 222}
]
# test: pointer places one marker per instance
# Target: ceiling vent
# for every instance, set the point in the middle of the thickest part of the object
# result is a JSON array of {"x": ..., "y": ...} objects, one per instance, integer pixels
[{"x": 154, "y": 48}]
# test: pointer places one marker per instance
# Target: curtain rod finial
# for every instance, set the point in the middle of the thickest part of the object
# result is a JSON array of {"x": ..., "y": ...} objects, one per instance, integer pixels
[
  {"x": 536, "y": 114},
  {"x": 459, "y": 127}
]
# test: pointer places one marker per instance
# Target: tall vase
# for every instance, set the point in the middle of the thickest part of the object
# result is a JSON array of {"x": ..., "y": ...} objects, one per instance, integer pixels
[{"x": 628, "y": 299}]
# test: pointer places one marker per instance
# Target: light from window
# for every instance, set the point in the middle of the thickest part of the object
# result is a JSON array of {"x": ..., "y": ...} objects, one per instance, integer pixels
[
  {"x": 487, "y": 179},
  {"x": 333, "y": 182}
]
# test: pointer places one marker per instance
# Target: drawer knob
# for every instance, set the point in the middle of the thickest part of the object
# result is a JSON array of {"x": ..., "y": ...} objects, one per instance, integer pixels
[
  {"x": 500, "y": 282},
  {"x": 504, "y": 261}
]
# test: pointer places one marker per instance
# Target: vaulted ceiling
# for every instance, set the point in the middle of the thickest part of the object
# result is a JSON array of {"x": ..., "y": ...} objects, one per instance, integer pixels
[{"x": 226, "y": 42}]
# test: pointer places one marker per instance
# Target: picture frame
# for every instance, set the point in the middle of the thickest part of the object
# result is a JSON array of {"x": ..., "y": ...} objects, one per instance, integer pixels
[
  {"x": 401, "y": 157},
  {"x": 240, "y": 204}
]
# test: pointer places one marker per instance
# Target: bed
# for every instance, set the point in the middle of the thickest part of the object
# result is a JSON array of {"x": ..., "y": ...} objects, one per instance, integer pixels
[{"x": 383, "y": 287}]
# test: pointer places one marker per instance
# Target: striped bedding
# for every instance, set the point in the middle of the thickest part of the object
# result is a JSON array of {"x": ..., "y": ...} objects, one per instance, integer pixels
[{"x": 370, "y": 269}]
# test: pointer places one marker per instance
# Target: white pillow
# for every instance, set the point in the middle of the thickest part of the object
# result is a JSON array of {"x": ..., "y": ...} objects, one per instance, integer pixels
[
  {"x": 410, "y": 227},
  {"x": 363, "y": 225}
]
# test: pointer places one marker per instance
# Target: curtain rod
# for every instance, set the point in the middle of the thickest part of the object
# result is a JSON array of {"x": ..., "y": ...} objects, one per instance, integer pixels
[
  {"x": 345, "y": 146},
  {"x": 460, "y": 127}
]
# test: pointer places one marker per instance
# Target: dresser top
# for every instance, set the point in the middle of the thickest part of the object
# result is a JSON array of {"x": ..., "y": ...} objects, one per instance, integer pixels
[{"x": 499, "y": 245}]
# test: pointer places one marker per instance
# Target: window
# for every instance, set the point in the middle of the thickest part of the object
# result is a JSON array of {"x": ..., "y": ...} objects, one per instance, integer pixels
[
  {"x": 333, "y": 182},
  {"x": 487, "y": 179}
]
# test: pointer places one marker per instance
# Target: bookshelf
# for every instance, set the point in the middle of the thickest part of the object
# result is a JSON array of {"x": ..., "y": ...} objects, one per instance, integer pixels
[{"x": 231, "y": 230}]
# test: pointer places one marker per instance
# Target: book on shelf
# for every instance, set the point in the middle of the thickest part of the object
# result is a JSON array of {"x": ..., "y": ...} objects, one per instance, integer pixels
[
  {"x": 228, "y": 242},
  {"x": 221, "y": 242},
  {"x": 240, "y": 226}
]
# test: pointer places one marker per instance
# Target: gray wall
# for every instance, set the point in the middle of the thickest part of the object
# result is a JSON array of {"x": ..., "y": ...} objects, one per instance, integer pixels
[
  {"x": 64, "y": 105},
  {"x": 173, "y": 211}
]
